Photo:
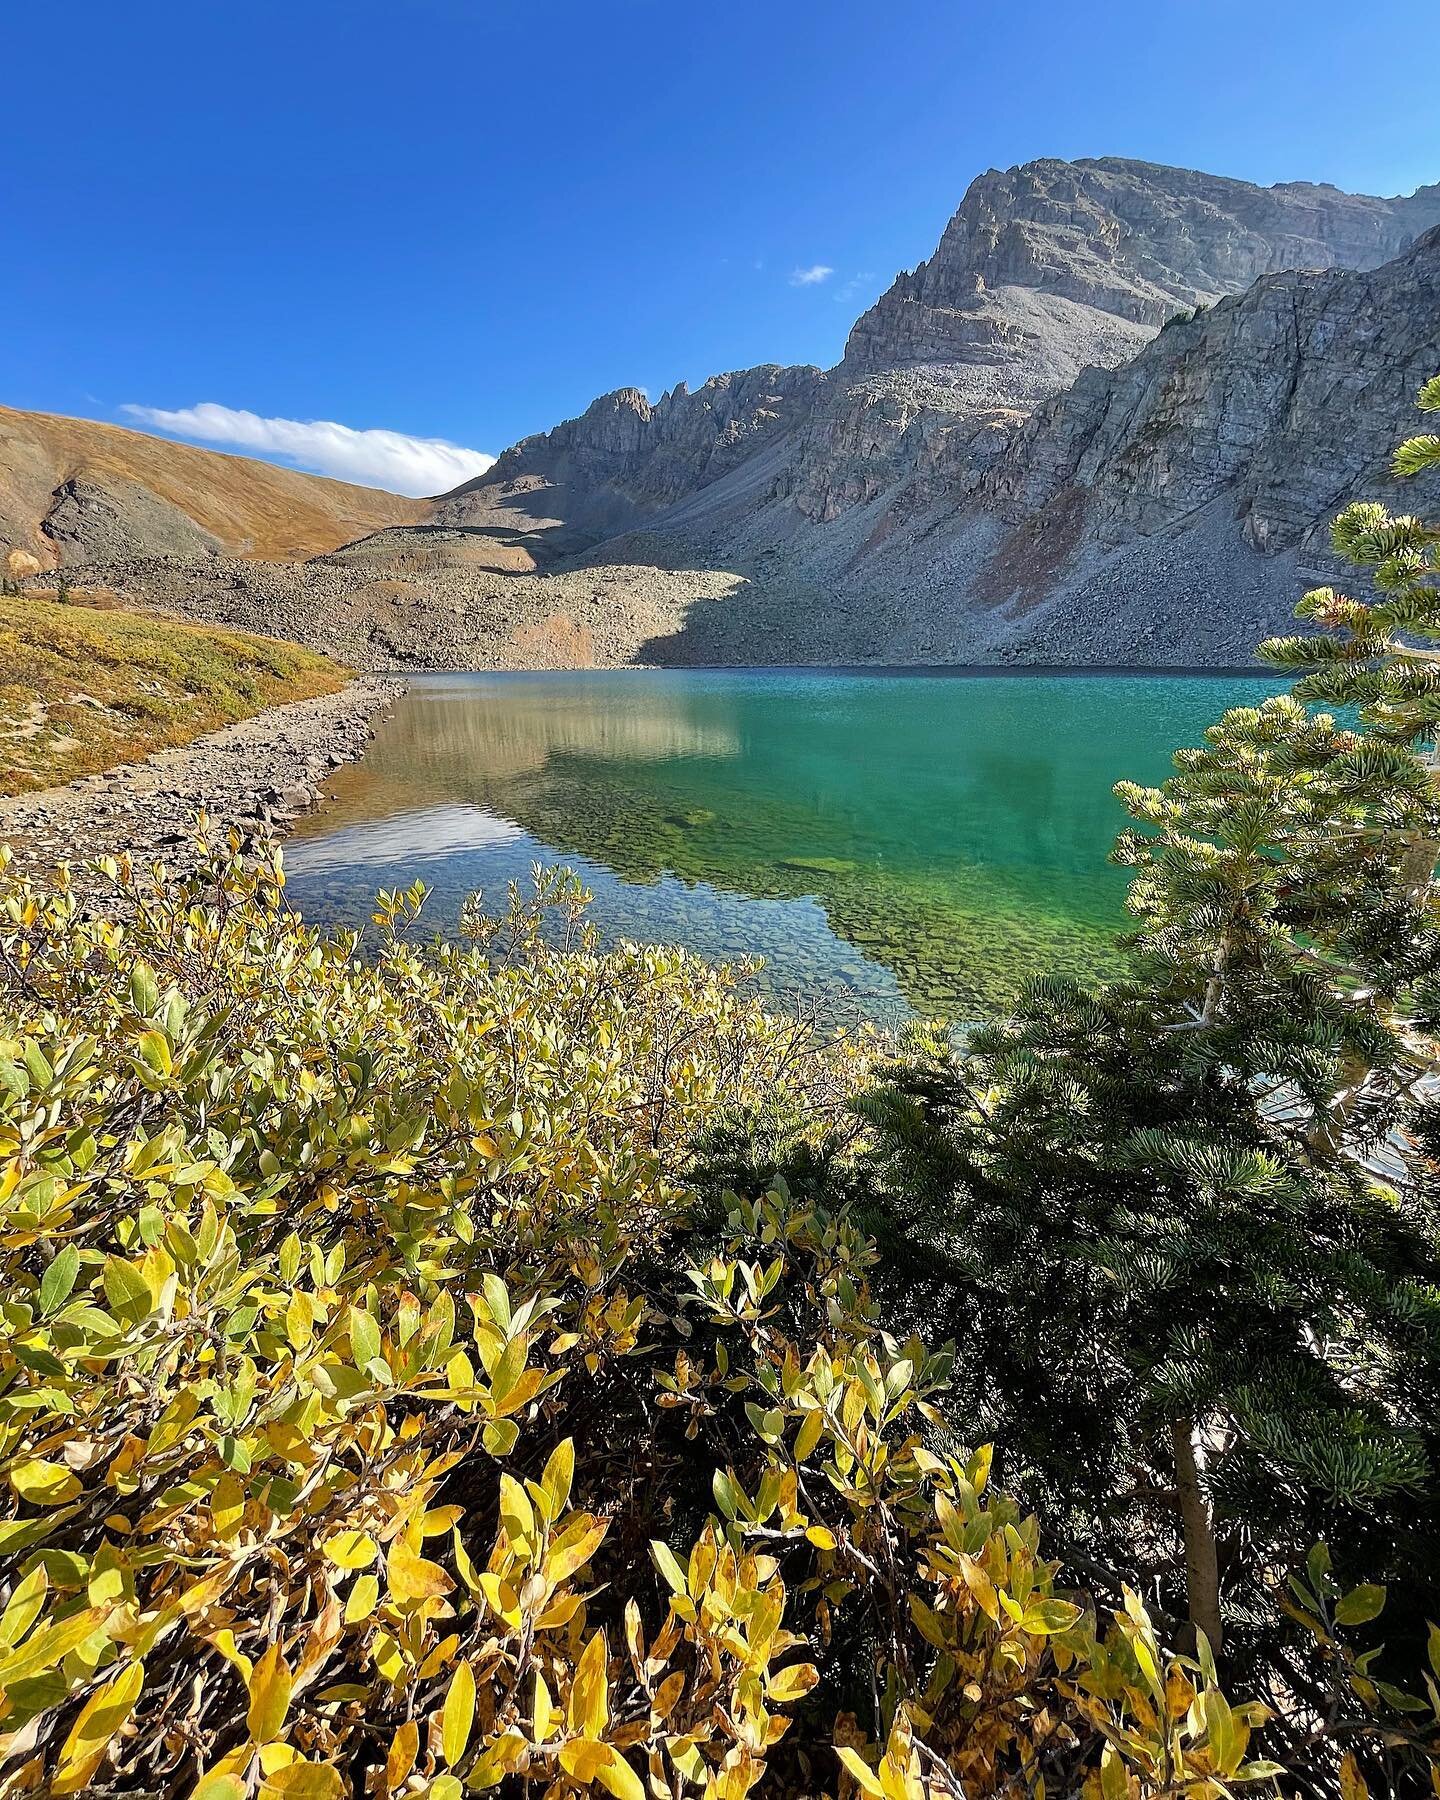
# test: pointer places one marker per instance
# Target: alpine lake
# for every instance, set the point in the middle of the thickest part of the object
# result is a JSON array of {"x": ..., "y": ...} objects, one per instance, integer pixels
[{"x": 890, "y": 843}]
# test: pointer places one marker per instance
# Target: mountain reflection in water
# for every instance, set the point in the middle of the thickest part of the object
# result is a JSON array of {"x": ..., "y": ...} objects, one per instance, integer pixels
[{"x": 885, "y": 841}]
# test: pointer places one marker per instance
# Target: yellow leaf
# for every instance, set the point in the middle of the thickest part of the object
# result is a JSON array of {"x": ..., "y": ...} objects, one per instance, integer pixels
[
  {"x": 412, "y": 1577},
  {"x": 516, "y": 1513},
  {"x": 862, "y": 1772},
  {"x": 440, "y": 1657},
  {"x": 559, "y": 1476},
  {"x": 360, "y": 1602},
  {"x": 588, "y": 1710},
  {"x": 617, "y": 1775},
  {"x": 574, "y": 1551},
  {"x": 303, "y": 1781},
  {"x": 794, "y": 1683},
  {"x": 808, "y": 1435},
  {"x": 667, "y": 1695},
  {"x": 300, "y": 1319},
  {"x": 502, "y": 1598},
  {"x": 101, "y": 1717},
  {"x": 543, "y": 1714},
  {"x": 24, "y": 1606},
  {"x": 44, "y": 1483},
  {"x": 47, "y": 1645},
  {"x": 1353, "y": 1785},
  {"x": 224, "y": 1642},
  {"x": 459, "y": 1714},
  {"x": 404, "y": 1748},
  {"x": 581, "y": 1758},
  {"x": 821, "y": 1537},
  {"x": 352, "y": 1549},
  {"x": 1046, "y": 1617},
  {"x": 227, "y": 1506},
  {"x": 219, "y": 1787},
  {"x": 269, "y": 1696}
]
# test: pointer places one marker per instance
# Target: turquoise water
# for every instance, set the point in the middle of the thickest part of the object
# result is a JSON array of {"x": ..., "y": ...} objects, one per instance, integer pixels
[{"x": 888, "y": 842}]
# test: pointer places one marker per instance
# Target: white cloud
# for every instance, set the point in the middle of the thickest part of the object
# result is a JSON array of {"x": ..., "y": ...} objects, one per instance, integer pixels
[
  {"x": 857, "y": 284},
  {"x": 384, "y": 459},
  {"x": 817, "y": 272}
]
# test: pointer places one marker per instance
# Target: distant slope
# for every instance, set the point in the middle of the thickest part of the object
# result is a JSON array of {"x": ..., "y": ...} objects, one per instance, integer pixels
[
  {"x": 83, "y": 690},
  {"x": 75, "y": 491}
]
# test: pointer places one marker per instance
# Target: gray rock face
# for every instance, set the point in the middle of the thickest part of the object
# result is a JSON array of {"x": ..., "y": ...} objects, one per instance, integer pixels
[
  {"x": 91, "y": 523},
  {"x": 919, "y": 422},
  {"x": 1131, "y": 238},
  {"x": 1286, "y": 400},
  {"x": 624, "y": 458},
  {"x": 1045, "y": 271}
]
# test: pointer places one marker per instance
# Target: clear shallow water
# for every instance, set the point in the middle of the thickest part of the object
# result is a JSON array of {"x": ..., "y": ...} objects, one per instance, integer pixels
[{"x": 887, "y": 842}]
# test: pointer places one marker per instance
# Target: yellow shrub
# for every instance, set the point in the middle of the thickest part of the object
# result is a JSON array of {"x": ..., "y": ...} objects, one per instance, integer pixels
[{"x": 380, "y": 1414}]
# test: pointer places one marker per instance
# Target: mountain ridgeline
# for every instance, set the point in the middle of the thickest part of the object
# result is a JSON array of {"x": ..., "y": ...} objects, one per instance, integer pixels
[
  {"x": 1106, "y": 422},
  {"x": 1102, "y": 423}
]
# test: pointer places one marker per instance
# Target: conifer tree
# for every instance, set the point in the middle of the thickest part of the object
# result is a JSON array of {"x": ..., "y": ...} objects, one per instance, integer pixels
[{"x": 1184, "y": 1226}]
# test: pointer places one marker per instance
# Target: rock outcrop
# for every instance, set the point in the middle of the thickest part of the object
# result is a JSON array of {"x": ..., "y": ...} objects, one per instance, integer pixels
[
  {"x": 623, "y": 459},
  {"x": 1130, "y": 238},
  {"x": 1045, "y": 270},
  {"x": 1048, "y": 277},
  {"x": 1284, "y": 399},
  {"x": 1254, "y": 421}
]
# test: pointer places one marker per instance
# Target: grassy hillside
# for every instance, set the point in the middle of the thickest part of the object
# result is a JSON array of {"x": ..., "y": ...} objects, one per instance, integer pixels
[
  {"x": 251, "y": 508},
  {"x": 82, "y": 689}
]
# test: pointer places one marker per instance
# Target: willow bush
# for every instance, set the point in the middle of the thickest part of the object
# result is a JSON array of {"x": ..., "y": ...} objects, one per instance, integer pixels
[{"x": 381, "y": 1411}]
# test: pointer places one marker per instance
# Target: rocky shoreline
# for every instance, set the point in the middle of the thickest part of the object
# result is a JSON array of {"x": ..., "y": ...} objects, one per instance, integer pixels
[{"x": 255, "y": 777}]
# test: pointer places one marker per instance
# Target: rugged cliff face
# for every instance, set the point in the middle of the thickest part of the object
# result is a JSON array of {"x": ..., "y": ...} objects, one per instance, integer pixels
[
  {"x": 1226, "y": 445},
  {"x": 1045, "y": 270},
  {"x": 624, "y": 459},
  {"x": 1046, "y": 274},
  {"x": 1129, "y": 238},
  {"x": 1283, "y": 398}
]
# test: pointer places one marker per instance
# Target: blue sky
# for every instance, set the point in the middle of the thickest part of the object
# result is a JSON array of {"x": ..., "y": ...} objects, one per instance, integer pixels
[{"x": 462, "y": 219}]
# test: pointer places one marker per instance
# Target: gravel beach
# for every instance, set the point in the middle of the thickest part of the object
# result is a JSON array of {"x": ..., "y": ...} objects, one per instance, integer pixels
[{"x": 256, "y": 775}]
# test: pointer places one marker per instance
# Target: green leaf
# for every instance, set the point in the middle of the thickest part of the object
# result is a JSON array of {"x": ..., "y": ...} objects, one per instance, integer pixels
[
  {"x": 1360, "y": 1605},
  {"x": 144, "y": 989},
  {"x": 59, "y": 1279},
  {"x": 127, "y": 1290},
  {"x": 666, "y": 1562},
  {"x": 364, "y": 1338}
]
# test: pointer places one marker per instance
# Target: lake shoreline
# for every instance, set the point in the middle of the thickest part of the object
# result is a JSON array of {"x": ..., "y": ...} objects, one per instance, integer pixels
[
  {"x": 883, "y": 841},
  {"x": 254, "y": 777}
]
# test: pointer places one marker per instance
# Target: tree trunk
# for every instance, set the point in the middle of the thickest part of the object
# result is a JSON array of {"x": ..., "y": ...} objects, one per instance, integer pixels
[
  {"x": 1202, "y": 1564},
  {"x": 1326, "y": 1137}
]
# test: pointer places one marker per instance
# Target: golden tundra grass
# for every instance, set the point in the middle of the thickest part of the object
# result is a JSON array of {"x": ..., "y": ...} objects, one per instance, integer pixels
[{"x": 83, "y": 689}]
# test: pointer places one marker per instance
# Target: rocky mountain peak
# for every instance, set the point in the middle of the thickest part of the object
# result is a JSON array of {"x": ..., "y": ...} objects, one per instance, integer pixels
[
  {"x": 1049, "y": 275},
  {"x": 1138, "y": 240}
]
